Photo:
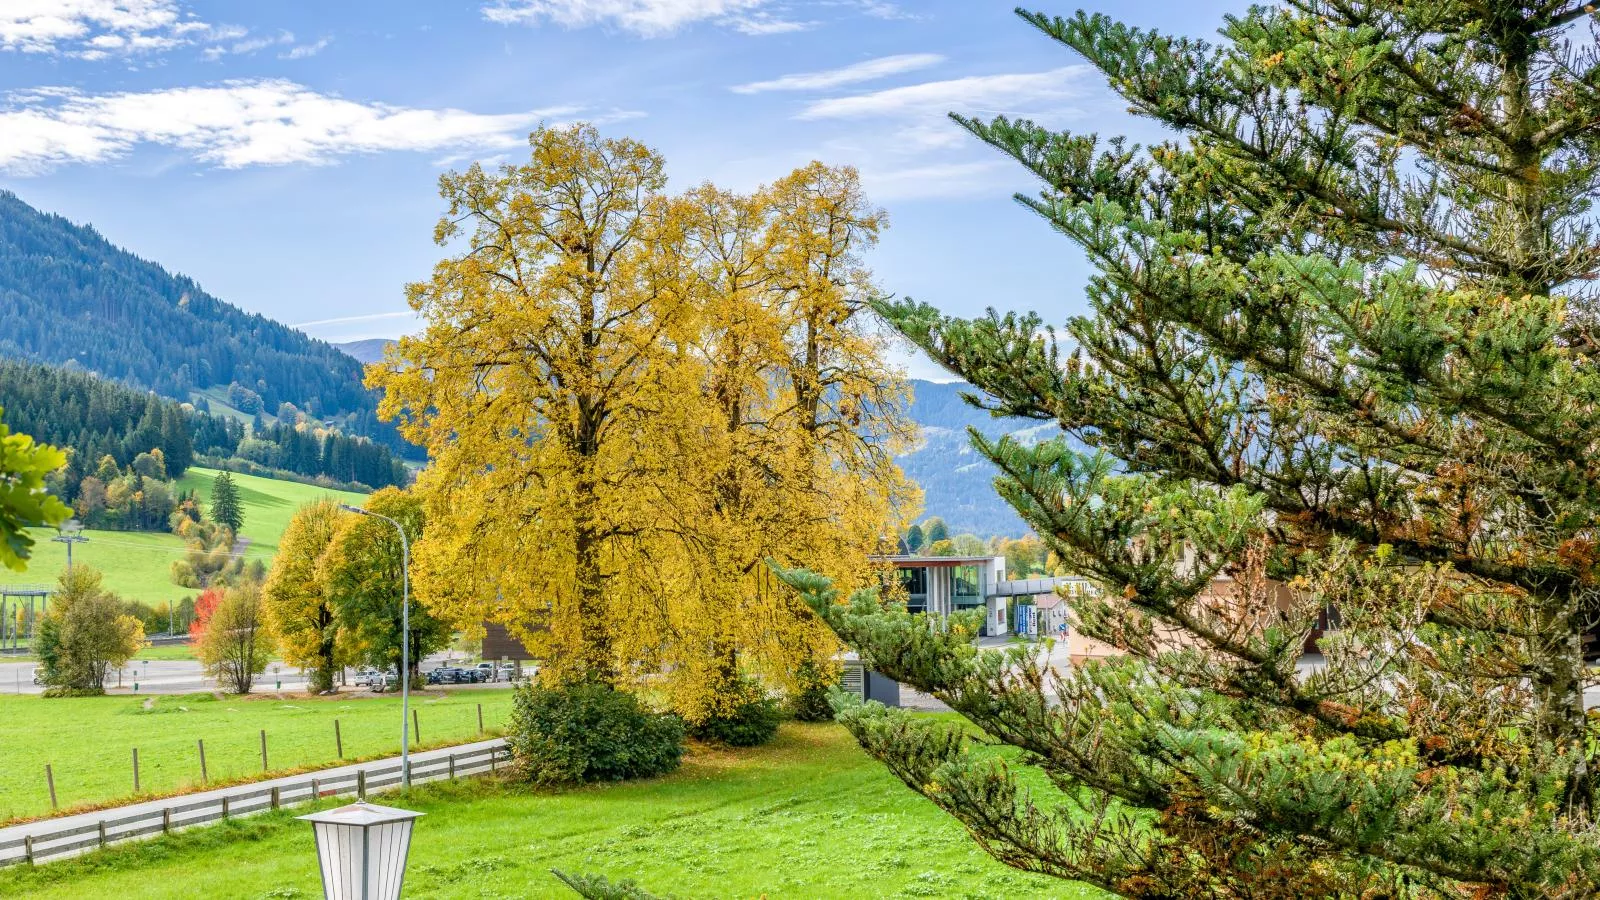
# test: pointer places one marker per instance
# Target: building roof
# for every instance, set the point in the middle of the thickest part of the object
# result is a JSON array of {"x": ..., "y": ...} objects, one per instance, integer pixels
[{"x": 909, "y": 562}]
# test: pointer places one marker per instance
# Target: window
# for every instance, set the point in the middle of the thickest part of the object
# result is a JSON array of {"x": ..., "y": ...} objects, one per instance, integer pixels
[
  {"x": 915, "y": 582},
  {"x": 964, "y": 582}
]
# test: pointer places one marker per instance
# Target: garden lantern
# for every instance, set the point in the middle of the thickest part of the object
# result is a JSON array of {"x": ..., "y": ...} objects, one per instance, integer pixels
[{"x": 361, "y": 850}]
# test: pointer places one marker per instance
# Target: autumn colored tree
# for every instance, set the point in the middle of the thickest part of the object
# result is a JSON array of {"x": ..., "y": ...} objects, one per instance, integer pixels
[
  {"x": 205, "y": 606},
  {"x": 234, "y": 646},
  {"x": 360, "y": 574},
  {"x": 1341, "y": 372},
  {"x": 630, "y": 399},
  {"x": 85, "y": 632},
  {"x": 23, "y": 499},
  {"x": 300, "y": 612}
]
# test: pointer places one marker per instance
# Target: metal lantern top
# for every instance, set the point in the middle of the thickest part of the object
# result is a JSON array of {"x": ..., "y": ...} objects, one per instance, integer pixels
[
  {"x": 360, "y": 814},
  {"x": 361, "y": 850}
]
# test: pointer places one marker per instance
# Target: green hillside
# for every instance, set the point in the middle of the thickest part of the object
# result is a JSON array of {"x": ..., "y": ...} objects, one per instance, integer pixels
[
  {"x": 136, "y": 563},
  {"x": 268, "y": 503}
]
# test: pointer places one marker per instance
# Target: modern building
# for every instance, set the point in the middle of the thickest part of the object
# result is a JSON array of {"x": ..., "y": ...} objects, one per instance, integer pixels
[{"x": 945, "y": 584}]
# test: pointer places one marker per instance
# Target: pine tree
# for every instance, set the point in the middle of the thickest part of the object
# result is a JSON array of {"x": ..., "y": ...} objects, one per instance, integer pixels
[
  {"x": 1340, "y": 370},
  {"x": 225, "y": 508}
]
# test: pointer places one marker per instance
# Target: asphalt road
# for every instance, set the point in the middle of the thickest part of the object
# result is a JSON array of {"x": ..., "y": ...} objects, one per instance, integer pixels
[{"x": 182, "y": 676}]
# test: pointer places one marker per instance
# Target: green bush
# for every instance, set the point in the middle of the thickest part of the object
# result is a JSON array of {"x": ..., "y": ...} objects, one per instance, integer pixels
[
  {"x": 578, "y": 733},
  {"x": 809, "y": 702},
  {"x": 753, "y": 721}
]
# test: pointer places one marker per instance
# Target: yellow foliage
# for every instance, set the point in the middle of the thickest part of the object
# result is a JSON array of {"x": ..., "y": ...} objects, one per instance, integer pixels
[{"x": 632, "y": 399}]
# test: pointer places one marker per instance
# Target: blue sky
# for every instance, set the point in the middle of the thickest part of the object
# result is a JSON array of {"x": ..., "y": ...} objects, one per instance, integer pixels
[{"x": 285, "y": 154}]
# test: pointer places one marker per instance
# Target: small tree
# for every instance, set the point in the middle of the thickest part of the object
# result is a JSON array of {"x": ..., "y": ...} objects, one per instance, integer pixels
[
  {"x": 301, "y": 613},
  {"x": 361, "y": 573},
  {"x": 225, "y": 508},
  {"x": 234, "y": 647},
  {"x": 914, "y": 538},
  {"x": 86, "y": 632}
]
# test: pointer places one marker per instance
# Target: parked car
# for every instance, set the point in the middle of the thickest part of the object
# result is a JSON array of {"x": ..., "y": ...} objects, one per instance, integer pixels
[
  {"x": 486, "y": 671},
  {"x": 372, "y": 679},
  {"x": 506, "y": 672}
]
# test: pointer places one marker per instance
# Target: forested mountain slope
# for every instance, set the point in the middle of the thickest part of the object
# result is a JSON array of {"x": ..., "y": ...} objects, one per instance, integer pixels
[{"x": 70, "y": 297}]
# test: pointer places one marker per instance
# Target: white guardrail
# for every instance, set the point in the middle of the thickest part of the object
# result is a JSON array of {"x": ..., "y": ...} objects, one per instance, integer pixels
[{"x": 50, "y": 845}]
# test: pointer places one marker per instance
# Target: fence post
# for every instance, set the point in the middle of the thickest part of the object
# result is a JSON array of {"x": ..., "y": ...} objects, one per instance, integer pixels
[
  {"x": 480, "y": 718},
  {"x": 316, "y": 789},
  {"x": 494, "y": 760},
  {"x": 166, "y": 820},
  {"x": 102, "y": 832},
  {"x": 27, "y": 848},
  {"x": 338, "y": 739},
  {"x": 202, "y": 744},
  {"x": 224, "y": 806},
  {"x": 276, "y": 797},
  {"x": 263, "y": 749},
  {"x": 452, "y": 767},
  {"x": 361, "y": 784},
  {"x": 136, "y": 770},
  {"x": 50, "y": 779},
  {"x": 416, "y": 729}
]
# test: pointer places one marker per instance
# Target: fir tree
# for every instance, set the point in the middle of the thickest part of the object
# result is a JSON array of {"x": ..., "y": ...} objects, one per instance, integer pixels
[
  {"x": 225, "y": 508},
  {"x": 1340, "y": 367}
]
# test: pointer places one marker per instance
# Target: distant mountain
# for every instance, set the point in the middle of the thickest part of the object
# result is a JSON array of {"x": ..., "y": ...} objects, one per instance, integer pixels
[
  {"x": 957, "y": 483},
  {"x": 367, "y": 351},
  {"x": 70, "y": 297}
]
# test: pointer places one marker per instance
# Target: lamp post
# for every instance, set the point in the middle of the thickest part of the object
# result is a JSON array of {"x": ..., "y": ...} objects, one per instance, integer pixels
[
  {"x": 405, "y": 641},
  {"x": 361, "y": 850},
  {"x": 69, "y": 535}
]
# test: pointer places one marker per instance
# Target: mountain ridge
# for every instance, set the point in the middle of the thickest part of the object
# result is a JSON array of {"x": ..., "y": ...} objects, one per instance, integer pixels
[{"x": 71, "y": 297}]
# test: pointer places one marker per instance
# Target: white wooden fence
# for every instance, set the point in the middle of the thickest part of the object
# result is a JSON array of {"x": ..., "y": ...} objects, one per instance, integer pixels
[{"x": 178, "y": 814}]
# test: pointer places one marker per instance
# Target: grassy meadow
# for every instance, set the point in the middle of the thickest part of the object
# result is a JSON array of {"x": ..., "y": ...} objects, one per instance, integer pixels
[
  {"x": 136, "y": 564},
  {"x": 89, "y": 741},
  {"x": 807, "y": 816}
]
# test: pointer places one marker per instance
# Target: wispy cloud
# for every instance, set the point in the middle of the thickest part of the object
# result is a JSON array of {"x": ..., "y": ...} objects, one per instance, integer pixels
[
  {"x": 870, "y": 70},
  {"x": 656, "y": 18},
  {"x": 345, "y": 320},
  {"x": 646, "y": 17},
  {"x": 236, "y": 124},
  {"x": 305, "y": 51},
  {"x": 247, "y": 45},
  {"x": 987, "y": 94}
]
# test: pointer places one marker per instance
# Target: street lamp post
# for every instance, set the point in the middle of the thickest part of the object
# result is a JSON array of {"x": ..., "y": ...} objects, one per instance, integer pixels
[{"x": 405, "y": 641}]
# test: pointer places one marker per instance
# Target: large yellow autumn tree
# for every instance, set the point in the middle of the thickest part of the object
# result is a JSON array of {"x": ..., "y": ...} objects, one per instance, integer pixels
[{"x": 631, "y": 398}]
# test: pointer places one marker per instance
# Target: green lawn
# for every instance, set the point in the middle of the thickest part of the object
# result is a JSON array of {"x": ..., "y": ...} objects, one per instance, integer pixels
[
  {"x": 268, "y": 503},
  {"x": 808, "y": 816},
  {"x": 137, "y": 564},
  {"x": 89, "y": 741}
]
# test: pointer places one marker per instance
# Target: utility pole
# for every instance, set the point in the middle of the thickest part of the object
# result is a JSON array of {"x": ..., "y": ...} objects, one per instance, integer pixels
[
  {"x": 405, "y": 640},
  {"x": 69, "y": 535}
]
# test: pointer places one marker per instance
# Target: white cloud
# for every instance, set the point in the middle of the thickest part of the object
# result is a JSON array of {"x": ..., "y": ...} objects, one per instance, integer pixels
[
  {"x": 646, "y": 17},
  {"x": 881, "y": 67},
  {"x": 236, "y": 124},
  {"x": 246, "y": 46},
  {"x": 1024, "y": 93},
  {"x": 655, "y": 18},
  {"x": 304, "y": 51},
  {"x": 94, "y": 29}
]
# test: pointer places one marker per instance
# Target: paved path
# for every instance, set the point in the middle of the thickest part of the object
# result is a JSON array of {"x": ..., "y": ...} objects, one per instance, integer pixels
[{"x": 43, "y": 827}]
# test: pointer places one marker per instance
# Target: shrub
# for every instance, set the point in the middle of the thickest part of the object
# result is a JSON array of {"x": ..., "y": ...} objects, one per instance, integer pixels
[
  {"x": 588, "y": 731},
  {"x": 809, "y": 702},
  {"x": 751, "y": 720},
  {"x": 598, "y": 887}
]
